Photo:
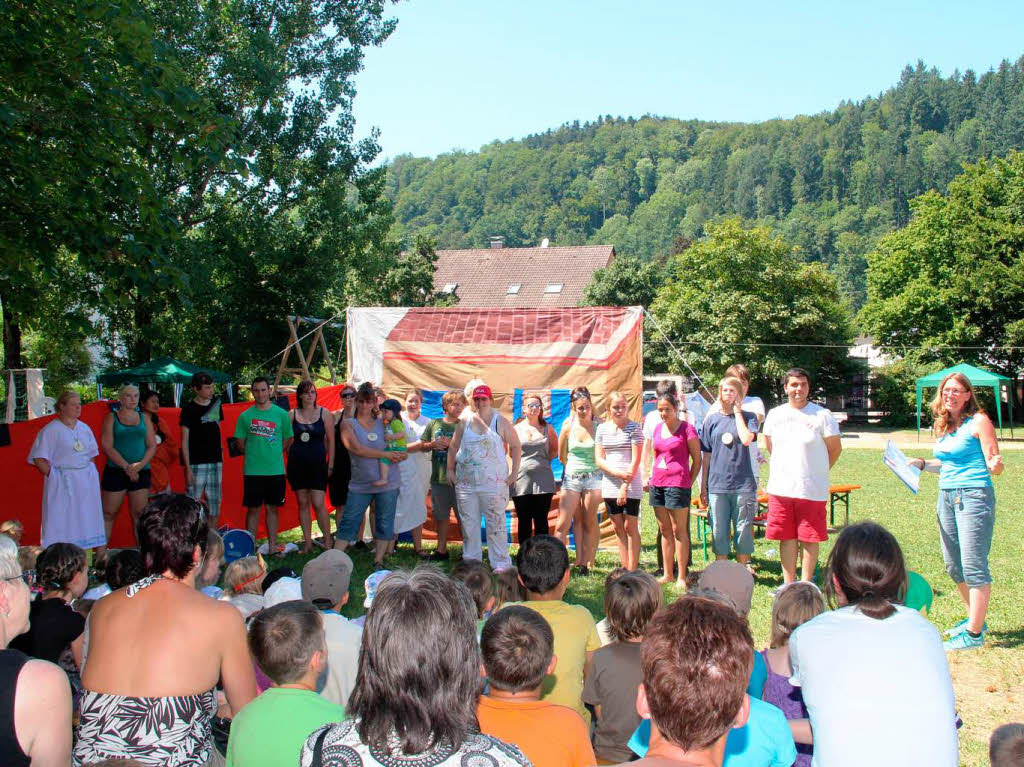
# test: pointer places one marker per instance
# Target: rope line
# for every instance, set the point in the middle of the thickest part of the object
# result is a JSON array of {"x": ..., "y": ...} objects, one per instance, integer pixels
[{"x": 678, "y": 354}]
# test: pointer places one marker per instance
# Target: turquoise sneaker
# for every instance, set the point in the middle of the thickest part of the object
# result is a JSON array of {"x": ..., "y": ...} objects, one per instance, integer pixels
[
  {"x": 961, "y": 627},
  {"x": 964, "y": 641}
]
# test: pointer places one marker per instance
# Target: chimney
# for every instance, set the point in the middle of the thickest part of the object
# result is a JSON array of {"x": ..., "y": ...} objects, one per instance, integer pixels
[{"x": 498, "y": 241}]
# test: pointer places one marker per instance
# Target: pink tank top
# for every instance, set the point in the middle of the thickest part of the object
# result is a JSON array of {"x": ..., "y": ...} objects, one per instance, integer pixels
[{"x": 672, "y": 456}]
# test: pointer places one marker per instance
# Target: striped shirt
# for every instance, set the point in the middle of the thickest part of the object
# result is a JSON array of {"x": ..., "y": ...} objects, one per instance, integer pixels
[{"x": 618, "y": 453}]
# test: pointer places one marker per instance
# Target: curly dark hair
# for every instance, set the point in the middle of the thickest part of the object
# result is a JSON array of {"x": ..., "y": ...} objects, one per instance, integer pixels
[
  {"x": 58, "y": 564},
  {"x": 169, "y": 530}
]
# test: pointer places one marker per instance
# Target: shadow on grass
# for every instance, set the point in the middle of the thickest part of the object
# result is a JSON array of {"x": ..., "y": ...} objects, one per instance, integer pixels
[{"x": 1008, "y": 639}]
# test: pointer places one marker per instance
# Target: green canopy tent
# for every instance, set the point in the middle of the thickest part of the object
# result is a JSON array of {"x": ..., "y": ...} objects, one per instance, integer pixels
[
  {"x": 978, "y": 378},
  {"x": 160, "y": 370}
]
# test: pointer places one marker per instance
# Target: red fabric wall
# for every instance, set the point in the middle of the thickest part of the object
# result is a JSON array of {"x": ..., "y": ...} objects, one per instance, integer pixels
[{"x": 23, "y": 484}]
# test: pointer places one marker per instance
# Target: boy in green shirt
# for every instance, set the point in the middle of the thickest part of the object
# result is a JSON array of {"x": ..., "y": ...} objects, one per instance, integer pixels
[
  {"x": 287, "y": 641},
  {"x": 263, "y": 433}
]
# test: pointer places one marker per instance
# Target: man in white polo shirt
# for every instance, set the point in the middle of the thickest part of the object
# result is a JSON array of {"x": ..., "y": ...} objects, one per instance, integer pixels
[{"x": 803, "y": 439}]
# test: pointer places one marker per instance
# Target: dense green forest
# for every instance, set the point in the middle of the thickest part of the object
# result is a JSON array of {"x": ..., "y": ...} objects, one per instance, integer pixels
[{"x": 831, "y": 183}]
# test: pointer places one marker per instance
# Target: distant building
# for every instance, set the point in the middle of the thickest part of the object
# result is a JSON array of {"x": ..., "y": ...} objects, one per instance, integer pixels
[
  {"x": 856, "y": 401},
  {"x": 508, "y": 278}
]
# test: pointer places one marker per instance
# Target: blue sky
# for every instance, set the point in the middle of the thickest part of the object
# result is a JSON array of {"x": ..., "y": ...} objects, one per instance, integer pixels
[{"x": 462, "y": 73}]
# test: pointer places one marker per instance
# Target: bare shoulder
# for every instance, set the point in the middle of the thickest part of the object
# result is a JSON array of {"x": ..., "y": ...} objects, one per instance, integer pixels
[
  {"x": 981, "y": 423},
  {"x": 225, "y": 613},
  {"x": 44, "y": 677}
]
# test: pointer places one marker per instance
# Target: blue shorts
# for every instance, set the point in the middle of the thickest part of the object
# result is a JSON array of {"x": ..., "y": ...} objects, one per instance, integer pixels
[
  {"x": 670, "y": 497},
  {"x": 581, "y": 483},
  {"x": 383, "y": 519}
]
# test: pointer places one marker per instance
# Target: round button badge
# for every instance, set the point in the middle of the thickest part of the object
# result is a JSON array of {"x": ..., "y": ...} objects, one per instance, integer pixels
[
  {"x": 727, "y": 439},
  {"x": 305, "y": 436}
]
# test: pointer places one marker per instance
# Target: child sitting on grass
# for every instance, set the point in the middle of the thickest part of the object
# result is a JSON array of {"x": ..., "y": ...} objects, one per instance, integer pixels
[
  {"x": 507, "y": 588},
  {"x": 1006, "y": 746},
  {"x": 543, "y": 563},
  {"x": 795, "y": 604},
  {"x": 602, "y": 625},
  {"x": 209, "y": 570},
  {"x": 766, "y": 739},
  {"x": 476, "y": 577},
  {"x": 13, "y": 529},
  {"x": 287, "y": 641},
  {"x": 394, "y": 435},
  {"x": 630, "y": 601},
  {"x": 518, "y": 652}
]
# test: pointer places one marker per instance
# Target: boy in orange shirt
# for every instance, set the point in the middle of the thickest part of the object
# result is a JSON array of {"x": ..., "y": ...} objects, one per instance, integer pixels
[{"x": 518, "y": 652}]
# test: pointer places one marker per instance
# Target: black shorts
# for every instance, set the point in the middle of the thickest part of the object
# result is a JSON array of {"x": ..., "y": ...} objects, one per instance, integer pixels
[
  {"x": 260, "y": 489},
  {"x": 115, "y": 480},
  {"x": 670, "y": 497},
  {"x": 307, "y": 475},
  {"x": 630, "y": 509}
]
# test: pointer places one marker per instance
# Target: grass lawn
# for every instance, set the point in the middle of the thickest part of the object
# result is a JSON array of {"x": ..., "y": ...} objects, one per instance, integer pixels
[{"x": 989, "y": 683}]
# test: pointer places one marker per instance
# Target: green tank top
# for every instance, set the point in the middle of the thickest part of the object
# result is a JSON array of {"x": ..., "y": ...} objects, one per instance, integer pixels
[
  {"x": 581, "y": 456},
  {"x": 130, "y": 441}
]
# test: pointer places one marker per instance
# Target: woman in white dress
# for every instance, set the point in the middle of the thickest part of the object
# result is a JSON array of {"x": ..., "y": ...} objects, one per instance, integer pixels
[
  {"x": 64, "y": 452},
  {"x": 412, "y": 496}
]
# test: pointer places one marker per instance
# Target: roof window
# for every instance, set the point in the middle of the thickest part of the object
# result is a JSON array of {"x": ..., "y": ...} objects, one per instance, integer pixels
[
  {"x": 513, "y": 289},
  {"x": 554, "y": 287},
  {"x": 450, "y": 287}
]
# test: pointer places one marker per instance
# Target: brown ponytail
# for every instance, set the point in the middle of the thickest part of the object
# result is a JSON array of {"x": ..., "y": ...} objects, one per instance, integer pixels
[{"x": 867, "y": 565}]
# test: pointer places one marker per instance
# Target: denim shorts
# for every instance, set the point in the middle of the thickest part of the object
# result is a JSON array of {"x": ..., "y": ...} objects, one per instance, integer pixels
[
  {"x": 967, "y": 517},
  {"x": 383, "y": 519},
  {"x": 670, "y": 497},
  {"x": 580, "y": 483}
]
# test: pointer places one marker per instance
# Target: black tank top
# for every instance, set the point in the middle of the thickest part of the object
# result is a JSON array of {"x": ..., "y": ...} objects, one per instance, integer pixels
[
  {"x": 11, "y": 663},
  {"x": 308, "y": 444}
]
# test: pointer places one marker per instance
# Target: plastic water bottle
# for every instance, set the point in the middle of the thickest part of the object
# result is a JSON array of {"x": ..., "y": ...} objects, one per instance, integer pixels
[{"x": 771, "y": 554}]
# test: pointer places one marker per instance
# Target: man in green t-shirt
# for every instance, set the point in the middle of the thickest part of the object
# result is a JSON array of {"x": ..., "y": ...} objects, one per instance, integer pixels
[
  {"x": 436, "y": 438},
  {"x": 287, "y": 641},
  {"x": 263, "y": 433}
]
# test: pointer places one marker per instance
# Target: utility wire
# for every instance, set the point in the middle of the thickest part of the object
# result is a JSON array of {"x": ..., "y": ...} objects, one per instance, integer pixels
[
  {"x": 678, "y": 354},
  {"x": 827, "y": 346}
]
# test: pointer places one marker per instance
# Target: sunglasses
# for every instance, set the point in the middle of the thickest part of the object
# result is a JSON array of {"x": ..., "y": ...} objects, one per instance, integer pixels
[
  {"x": 28, "y": 576},
  {"x": 348, "y": 395}
]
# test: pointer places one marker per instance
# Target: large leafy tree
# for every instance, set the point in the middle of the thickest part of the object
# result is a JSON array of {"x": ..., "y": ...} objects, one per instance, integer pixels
[
  {"x": 224, "y": 134},
  {"x": 954, "y": 276},
  {"x": 83, "y": 83},
  {"x": 626, "y": 281},
  {"x": 745, "y": 295}
]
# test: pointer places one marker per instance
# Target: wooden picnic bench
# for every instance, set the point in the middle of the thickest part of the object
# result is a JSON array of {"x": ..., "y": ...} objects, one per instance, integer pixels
[{"x": 837, "y": 494}]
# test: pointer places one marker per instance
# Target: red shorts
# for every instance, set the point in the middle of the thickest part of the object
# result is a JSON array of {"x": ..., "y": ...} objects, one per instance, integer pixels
[{"x": 798, "y": 518}]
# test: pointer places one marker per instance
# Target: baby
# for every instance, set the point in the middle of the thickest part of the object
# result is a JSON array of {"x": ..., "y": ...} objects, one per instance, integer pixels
[{"x": 394, "y": 435}]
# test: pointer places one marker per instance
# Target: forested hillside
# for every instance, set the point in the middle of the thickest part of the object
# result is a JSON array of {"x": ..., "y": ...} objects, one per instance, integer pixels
[{"x": 831, "y": 183}]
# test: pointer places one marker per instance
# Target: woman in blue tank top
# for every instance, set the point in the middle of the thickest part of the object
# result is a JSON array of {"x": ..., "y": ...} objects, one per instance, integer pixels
[{"x": 966, "y": 458}]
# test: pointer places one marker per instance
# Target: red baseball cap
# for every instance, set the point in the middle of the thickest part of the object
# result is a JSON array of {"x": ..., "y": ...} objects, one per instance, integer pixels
[{"x": 482, "y": 392}]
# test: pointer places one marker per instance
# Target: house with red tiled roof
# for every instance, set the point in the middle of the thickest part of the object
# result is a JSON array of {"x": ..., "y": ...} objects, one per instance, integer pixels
[{"x": 500, "y": 277}]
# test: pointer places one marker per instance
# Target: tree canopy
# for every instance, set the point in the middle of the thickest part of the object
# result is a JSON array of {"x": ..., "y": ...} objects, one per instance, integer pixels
[
  {"x": 831, "y": 183},
  {"x": 197, "y": 165},
  {"x": 954, "y": 276},
  {"x": 745, "y": 295}
]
